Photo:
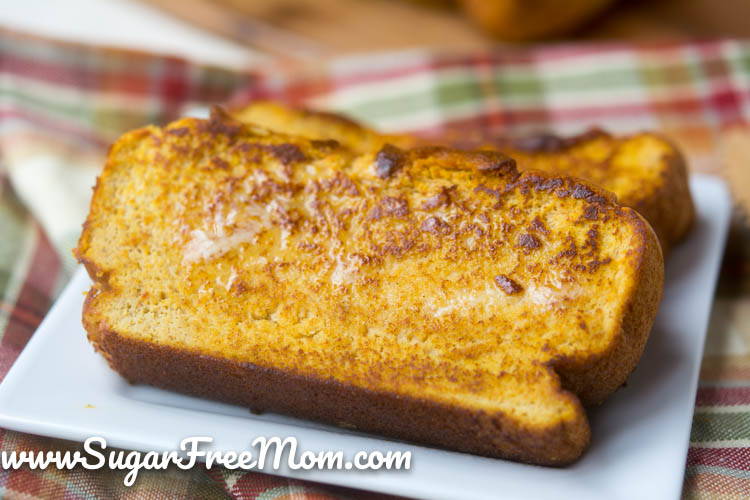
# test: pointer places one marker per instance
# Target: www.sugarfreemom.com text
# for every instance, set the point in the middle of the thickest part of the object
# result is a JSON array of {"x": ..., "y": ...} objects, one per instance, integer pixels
[{"x": 269, "y": 451}]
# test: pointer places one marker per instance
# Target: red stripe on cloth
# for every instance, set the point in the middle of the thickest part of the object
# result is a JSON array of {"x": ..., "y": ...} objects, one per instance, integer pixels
[
  {"x": 172, "y": 88},
  {"x": 82, "y": 77},
  {"x": 728, "y": 105},
  {"x": 34, "y": 298},
  {"x": 723, "y": 396},
  {"x": 731, "y": 458},
  {"x": 24, "y": 317},
  {"x": 24, "y": 482},
  {"x": 685, "y": 106},
  {"x": 121, "y": 74}
]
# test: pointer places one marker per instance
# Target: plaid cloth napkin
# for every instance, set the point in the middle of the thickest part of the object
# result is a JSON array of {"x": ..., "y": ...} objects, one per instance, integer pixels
[{"x": 61, "y": 105}]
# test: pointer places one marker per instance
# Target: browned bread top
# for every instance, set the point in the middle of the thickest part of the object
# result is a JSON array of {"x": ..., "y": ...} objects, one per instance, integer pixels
[
  {"x": 319, "y": 125},
  {"x": 528, "y": 20},
  {"x": 644, "y": 170},
  {"x": 441, "y": 281}
]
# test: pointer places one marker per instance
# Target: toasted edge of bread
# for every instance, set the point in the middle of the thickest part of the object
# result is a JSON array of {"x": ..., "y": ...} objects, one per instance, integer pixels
[{"x": 668, "y": 207}]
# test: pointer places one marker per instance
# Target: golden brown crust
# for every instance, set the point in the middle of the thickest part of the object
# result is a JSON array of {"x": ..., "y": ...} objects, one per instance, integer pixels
[
  {"x": 594, "y": 380},
  {"x": 669, "y": 209},
  {"x": 665, "y": 203}
]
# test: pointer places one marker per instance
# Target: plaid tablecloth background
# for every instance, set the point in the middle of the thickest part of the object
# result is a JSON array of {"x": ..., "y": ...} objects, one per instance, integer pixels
[{"x": 61, "y": 105}]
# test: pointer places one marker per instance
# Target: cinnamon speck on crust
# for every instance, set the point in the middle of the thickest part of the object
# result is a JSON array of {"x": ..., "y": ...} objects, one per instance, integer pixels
[
  {"x": 287, "y": 154},
  {"x": 538, "y": 225},
  {"x": 220, "y": 123},
  {"x": 390, "y": 206},
  {"x": 220, "y": 163},
  {"x": 492, "y": 192},
  {"x": 508, "y": 285},
  {"x": 529, "y": 241},
  {"x": 440, "y": 199},
  {"x": 178, "y": 131},
  {"x": 388, "y": 161},
  {"x": 590, "y": 212},
  {"x": 435, "y": 225}
]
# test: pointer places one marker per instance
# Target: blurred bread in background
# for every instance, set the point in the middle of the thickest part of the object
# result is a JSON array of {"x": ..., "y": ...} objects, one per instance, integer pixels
[{"x": 519, "y": 20}]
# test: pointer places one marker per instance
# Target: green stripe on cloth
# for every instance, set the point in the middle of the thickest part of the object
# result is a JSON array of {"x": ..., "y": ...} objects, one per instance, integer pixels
[
  {"x": 13, "y": 222},
  {"x": 720, "y": 427}
]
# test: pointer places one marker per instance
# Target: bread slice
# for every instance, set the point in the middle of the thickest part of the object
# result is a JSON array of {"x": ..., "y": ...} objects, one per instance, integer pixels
[
  {"x": 319, "y": 125},
  {"x": 644, "y": 170},
  {"x": 429, "y": 294}
]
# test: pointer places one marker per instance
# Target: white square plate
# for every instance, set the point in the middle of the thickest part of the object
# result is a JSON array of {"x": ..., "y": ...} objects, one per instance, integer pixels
[{"x": 59, "y": 387}]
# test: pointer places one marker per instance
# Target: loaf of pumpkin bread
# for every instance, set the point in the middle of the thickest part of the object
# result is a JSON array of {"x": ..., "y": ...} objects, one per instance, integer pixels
[{"x": 426, "y": 294}]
